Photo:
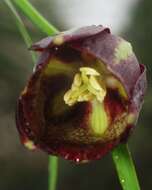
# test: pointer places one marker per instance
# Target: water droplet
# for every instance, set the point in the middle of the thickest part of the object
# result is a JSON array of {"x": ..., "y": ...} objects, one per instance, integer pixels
[
  {"x": 27, "y": 124},
  {"x": 122, "y": 180},
  {"x": 77, "y": 160},
  {"x": 20, "y": 98},
  {"x": 34, "y": 68},
  {"x": 66, "y": 156},
  {"x": 56, "y": 48},
  {"x": 27, "y": 130}
]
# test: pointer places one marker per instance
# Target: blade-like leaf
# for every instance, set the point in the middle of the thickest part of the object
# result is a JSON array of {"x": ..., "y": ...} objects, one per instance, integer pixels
[
  {"x": 35, "y": 17},
  {"x": 21, "y": 28}
]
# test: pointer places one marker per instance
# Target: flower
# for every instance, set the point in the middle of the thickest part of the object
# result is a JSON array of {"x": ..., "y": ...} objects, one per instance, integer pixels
[{"x": 84, "y": 95}]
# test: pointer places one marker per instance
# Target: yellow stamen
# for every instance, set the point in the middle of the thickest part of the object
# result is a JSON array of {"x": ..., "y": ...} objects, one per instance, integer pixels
[
  {"x": 89, "y": 71},
  {"x": 85, "y": 87}
]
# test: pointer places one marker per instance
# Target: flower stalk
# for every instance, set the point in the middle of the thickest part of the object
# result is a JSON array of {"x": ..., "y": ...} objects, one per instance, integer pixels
[
  {"x": 53, "y": 172},
  {"x": 125, "y": 168}
]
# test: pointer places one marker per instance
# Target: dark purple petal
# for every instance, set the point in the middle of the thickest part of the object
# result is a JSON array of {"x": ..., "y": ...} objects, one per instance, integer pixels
[
  {"x": 69, "y": 36},
  {"x": 103, "y": 47},
  {"x": 43, "y": 119},
  {"x": 139, "y": 91}
]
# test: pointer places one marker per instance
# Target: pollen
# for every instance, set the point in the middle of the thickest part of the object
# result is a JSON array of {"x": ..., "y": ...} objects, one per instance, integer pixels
[{"x": 86, "y": 86}]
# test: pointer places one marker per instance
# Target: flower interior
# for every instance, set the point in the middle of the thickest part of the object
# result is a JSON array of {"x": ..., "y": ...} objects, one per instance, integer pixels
[
  {"x": 84, "y": 103},
  {"x": 86, "y": 87}
]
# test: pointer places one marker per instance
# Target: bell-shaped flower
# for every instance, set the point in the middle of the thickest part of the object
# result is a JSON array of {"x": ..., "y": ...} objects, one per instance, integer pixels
[{"x": 84, "y": 95}]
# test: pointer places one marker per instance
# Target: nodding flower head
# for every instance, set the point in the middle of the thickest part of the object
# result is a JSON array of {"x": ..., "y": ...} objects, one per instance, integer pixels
[{"x": 84, "y": 95}]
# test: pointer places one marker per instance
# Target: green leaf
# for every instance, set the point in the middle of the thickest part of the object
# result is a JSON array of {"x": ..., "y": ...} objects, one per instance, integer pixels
[
  {"x": 125, "y": 168},
  {"x": 21, "y": 28},
  {"x": 35, "y": 17}
]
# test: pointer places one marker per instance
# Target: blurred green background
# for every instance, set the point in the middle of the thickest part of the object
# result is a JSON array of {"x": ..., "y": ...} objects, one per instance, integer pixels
[{"x": 21, "y": 169}]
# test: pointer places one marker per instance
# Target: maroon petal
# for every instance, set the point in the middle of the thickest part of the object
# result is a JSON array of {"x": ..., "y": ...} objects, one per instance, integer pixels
[
  {"x": 64, "y": 132},
  {"x": 69, "y": 36},
  {"x": 103, "y": 47}
]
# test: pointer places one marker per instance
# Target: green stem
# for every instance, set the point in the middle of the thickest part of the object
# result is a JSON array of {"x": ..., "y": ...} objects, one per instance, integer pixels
[
  {"x": 35, "y": 17},
  {"x": 53, "y": 172},
  {"x": 21, "y": 28},
  {"x": 125, "y": 168}
]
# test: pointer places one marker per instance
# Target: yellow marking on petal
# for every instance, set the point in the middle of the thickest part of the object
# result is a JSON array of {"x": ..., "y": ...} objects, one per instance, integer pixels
[
  {"x": 24, "y": 91},
  {"x": 122, "y": 90},
  {"x": 131, "y": 118},
  {"x": 114, "y": 83},
  {"x": 29, "y": 144},
  {"x": 85, "y": 87},
  {"x": 111, "y": 82},
  {"x": 58, "y": 40},
  {"x": 56, "y": 66},
  {"x": 123, "y": 51}
]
